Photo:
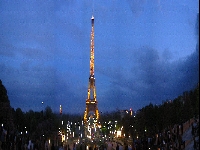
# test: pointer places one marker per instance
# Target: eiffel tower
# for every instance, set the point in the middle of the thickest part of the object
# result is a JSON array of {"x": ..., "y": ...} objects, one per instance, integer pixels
[{"x": 91, "y": 114}]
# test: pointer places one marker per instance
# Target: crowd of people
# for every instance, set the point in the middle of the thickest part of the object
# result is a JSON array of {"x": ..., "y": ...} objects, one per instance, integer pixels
[
  {"x": 18, "y": 141},
  {"x": 195, "y": 134},
  {"x": 169, "y": 139}
]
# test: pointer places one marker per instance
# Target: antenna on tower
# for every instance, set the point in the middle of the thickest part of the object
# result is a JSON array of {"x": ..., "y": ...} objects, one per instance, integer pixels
[{"x": 92, "y": 7}]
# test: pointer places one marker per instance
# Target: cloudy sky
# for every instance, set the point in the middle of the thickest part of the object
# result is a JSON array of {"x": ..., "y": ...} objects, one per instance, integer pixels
[{"x": 145, "y": 51}]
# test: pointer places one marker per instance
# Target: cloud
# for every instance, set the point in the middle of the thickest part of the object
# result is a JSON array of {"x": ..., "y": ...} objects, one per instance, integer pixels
[
  {"x": 152, "y": 79},
  {"x": 136, "y": 6},
  {"x": 29, "y": 86}
]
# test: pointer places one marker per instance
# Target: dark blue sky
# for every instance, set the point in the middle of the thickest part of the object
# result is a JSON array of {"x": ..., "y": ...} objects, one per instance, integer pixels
[{"x": 145, "y": 51}]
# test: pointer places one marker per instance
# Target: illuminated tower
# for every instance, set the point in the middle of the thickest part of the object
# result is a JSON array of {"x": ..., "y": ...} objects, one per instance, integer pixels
[{"x": 91, "y": 111}]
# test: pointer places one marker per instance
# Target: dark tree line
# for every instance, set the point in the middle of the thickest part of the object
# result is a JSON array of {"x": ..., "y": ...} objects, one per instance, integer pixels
[
  {"x": 40, "y": 124},
  {"x": 153, "y": 118}
]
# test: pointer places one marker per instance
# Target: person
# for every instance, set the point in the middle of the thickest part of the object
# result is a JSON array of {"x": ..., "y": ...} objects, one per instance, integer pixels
[
  {"x": 68, "y": 147},
  {"x": 29, "y": 145},
  {"x": 195, "y": 145},
  {"x": 133, "y": 145},
  {"x": 90, "y": 147},
  {"x": 110, "y": 146},
  {"x": 46, "y": 145},
  {"x": 74, "y": 146},
  {"x": 20, "y": 144},
  {"x": 3, "y": 138},
  {"x": 52, "y": 146},
  {"x": 101, "y": 147},
  {"x": 65, "y": 147},
  {"x": 61, "y": 147},
  {"x": 95, "y": 147},
  {"x": 81, "y": 146},
  {"x": 117, "y": 147},
  {"x": 125, "y": 146}
]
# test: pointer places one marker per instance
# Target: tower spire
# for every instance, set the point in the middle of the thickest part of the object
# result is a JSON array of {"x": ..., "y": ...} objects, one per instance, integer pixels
[
  {"x": 92, "y": 49},
  {"x": 92, "y": 7}
]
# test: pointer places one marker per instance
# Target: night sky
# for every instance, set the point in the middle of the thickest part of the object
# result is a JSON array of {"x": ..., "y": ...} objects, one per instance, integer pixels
[{"x": 146, "y": 51}]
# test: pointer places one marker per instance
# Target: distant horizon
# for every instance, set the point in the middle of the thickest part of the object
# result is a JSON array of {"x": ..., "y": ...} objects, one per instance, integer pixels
[{"x": 111, "y": 111}]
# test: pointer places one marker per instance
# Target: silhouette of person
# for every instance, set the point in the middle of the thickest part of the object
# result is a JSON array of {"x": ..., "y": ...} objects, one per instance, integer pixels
[{"x": 117, "y": 147}]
